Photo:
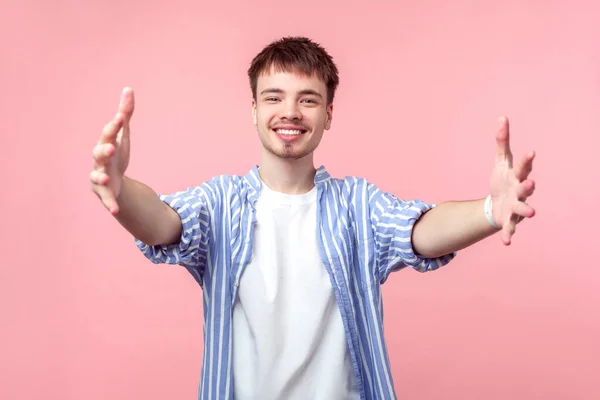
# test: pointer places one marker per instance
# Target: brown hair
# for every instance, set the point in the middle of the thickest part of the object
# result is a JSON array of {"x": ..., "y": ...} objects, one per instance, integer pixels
[{"x": 296, "y": 54}]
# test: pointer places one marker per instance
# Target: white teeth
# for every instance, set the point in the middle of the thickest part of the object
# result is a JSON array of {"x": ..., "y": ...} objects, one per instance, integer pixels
[{"x": 289, "y": 131}]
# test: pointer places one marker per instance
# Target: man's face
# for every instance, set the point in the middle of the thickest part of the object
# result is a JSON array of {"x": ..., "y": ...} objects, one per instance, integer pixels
[{"x": 290, "y": 113}]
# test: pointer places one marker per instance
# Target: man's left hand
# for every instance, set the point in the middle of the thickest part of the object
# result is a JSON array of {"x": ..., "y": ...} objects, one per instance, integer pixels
[{"x": 510, "y": 186}]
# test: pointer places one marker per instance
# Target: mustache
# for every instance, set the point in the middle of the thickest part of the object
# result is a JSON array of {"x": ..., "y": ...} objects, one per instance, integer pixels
[{"x": 294, "y": 124}]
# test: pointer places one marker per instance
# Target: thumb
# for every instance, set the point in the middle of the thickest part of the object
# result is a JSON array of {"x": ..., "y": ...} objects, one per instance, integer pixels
[
  {"x": 127, "y": 104},
  {"x": 503, "y": 142}
]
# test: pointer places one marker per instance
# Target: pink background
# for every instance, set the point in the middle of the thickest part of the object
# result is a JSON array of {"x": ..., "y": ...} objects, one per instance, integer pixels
[{"x": 84, "y": 315}]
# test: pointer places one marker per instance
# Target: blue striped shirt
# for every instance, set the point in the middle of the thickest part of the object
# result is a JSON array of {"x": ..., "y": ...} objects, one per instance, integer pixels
[{"x": 364, "y": 235}]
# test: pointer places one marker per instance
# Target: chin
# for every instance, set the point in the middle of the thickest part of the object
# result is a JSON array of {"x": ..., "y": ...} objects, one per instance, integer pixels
[
  {"x": 288, "y": 151},
  {"x": 290, "y": 154}
]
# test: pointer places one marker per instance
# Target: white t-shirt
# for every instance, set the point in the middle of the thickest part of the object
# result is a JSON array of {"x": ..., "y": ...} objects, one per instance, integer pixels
[{"x": 288, "y": 337}]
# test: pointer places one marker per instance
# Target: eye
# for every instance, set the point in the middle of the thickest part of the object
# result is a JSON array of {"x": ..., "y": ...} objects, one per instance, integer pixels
[
  {"x": 310, "y": 101},
  {"x": 271, "y": 99}
]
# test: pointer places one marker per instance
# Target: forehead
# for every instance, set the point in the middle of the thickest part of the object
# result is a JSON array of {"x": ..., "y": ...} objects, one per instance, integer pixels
[{"x": 289, "y": 81}]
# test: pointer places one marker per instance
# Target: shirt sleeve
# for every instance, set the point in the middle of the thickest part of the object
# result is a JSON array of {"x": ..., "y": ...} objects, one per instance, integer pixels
[
  {"x": 193, "y": 207},
  {"x": 392, "y": 222}
]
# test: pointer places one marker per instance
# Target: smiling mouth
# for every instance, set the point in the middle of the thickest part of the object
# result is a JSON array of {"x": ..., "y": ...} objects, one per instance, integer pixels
[{"x": 290, "y": 132}]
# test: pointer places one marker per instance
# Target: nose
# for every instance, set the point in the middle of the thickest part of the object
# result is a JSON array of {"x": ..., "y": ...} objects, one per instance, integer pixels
[{"x": 291, "y": 111}]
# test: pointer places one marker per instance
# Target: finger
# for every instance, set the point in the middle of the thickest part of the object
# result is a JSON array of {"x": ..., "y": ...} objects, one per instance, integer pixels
[
  {"x": 110, "y": 131},
  {"x": 524, "y": 210},
  {"x": 525, "y": 189},
  {"x": 503, "y": 142},
  {"x": 127, "y": 103},
  {"x": 99, "y": 178},
  {"x": 110, "y": 203},
  {"x": 126, "y": 106},
  {"x": 107, "y": 198},
  {"x": 523, "y": 169},
  {"x": 508, "y": 230},
  {"x": 103, "y": 152}
]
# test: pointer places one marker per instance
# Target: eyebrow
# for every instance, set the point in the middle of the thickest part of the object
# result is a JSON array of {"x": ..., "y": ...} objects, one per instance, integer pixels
[{"x": 303, "y": 92}]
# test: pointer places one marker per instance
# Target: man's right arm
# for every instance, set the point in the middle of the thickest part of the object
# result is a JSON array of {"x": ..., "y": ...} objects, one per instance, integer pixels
[
  {"x": 146, "y": 216},
  {"x": 171, "y": 229},
  {"x": 136, "y": 206}
]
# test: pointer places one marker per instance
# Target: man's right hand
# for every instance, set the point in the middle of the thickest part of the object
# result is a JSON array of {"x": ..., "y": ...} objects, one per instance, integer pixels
[{"x": 111, "y": 155}]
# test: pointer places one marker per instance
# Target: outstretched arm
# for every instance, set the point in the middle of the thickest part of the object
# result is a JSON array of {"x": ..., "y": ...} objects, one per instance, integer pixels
[
  {"x": 454, "y": 225},
  {"x": 136, "y": 206}
]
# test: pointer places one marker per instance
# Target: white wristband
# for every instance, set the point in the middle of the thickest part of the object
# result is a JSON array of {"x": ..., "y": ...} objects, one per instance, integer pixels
[{"x": 487, "y": 208}]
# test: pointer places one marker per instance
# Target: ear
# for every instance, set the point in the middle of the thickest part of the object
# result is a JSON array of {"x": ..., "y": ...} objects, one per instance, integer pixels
[
  {"x": 329, "y": 117},
  {"x": 254, "y": 121}
]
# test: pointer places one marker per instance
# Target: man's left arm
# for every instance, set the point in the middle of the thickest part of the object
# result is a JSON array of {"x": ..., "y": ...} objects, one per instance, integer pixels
[{"x": 454, "y": 225}]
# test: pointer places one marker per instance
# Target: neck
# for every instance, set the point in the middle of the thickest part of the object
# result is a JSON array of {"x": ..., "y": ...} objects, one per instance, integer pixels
[{"x": 287, "y": 176}]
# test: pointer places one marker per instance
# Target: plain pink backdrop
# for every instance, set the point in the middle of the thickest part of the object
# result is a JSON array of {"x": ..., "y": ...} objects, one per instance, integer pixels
[{"x": 85, "y": 316}]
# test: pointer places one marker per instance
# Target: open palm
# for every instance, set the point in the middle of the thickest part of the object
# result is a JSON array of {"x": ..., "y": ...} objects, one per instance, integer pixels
[
  {"x": 510, "y": 186},
  {"x": 111, "y": 154}
]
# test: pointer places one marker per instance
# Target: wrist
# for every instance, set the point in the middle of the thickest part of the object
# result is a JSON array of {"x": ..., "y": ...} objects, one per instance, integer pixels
[
  {"x": 487, "y": 210},
  {"x": 123, "y": 187}
]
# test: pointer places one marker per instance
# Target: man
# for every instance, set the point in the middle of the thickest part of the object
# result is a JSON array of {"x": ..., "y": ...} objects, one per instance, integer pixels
[{"x": 291, "y": 260}]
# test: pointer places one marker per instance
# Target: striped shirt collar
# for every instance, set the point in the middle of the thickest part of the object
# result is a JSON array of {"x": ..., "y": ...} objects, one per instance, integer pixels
[{"x": 254, "y": 182}]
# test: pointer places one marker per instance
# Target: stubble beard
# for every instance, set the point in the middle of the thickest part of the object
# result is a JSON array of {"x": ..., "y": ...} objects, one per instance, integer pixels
[{"x": 288, "y": 151}]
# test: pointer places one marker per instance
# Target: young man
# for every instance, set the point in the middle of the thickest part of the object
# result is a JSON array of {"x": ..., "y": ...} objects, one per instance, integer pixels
[{"x": 291, "y": 260}]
